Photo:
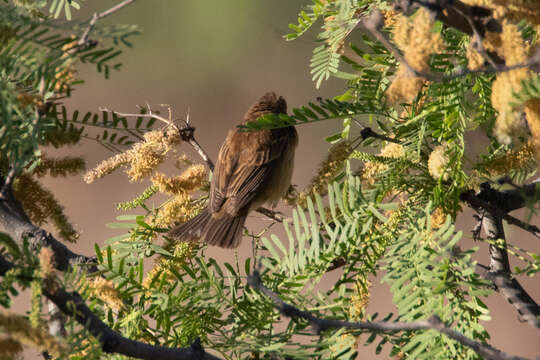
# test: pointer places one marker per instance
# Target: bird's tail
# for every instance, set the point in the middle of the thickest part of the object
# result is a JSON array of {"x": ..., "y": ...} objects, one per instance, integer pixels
[{"x": 224, "y": 231}]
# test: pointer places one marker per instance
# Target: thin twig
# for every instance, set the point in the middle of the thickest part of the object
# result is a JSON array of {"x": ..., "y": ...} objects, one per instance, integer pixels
[
  {"x": 367, "y": 132},
  {"x": 434, "y": 322},
  {"x": 272, "y": 214},
  {"x": 187, "y": 133},
  {"x": 151, "y": 115},
  {"x": 477, "y": 38},
  {"x": 97, "y": 16}
]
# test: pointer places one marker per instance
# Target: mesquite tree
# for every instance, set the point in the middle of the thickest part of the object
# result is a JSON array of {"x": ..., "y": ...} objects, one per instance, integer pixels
[{"x": 417, "y": 78}]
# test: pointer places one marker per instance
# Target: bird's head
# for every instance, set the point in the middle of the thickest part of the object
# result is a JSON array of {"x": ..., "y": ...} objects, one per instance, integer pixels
[{"x": 268, "y": 103}]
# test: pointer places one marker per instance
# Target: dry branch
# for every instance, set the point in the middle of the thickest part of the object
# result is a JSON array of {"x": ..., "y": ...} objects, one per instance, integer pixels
[{"x": 435, "y": 323}]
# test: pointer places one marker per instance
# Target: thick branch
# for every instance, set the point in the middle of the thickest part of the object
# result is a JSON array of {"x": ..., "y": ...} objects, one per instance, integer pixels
[
  {"x": 15, "y": 223},
  {"x": 494, "y": 206},
  {"x": 434, "y": 323},
  {"x": 501, "y": 202},
  {"x": 499, "y": 273},
  {"x": 72, "y": 304},
  {"x": 519, "y": 197}
]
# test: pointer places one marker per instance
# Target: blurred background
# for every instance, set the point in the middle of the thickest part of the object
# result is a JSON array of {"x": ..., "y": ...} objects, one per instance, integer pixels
[{"x": 216, "y": 58}]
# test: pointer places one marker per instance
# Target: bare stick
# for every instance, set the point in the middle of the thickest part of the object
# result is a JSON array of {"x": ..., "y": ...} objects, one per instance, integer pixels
[
  {"x": 186, "y": 131},
  {"x": 433, "y": 322},
  {"x": 97, "y": 16},
  {"x": 187, "y": 135},
  {"x": 274, "y": 215}
]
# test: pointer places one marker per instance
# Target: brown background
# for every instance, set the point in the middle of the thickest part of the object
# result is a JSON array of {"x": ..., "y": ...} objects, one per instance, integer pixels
[{"x": 216, "y": 58}]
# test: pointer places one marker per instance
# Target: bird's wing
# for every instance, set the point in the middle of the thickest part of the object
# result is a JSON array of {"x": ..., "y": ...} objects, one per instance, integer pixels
[{"x": 244, "y": 166}]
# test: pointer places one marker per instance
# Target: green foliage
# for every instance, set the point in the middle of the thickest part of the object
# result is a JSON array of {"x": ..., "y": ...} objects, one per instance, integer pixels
[
  {"x": 306, "y": 20},
  {"x": 116, "y": 132},
  {"x": 196, "y": 297},
  {"x": 37, "y": 65},
  {"x": 324, "y": 110},
  {"x": 22, "y": 275},
  {"x": 429, "y": 274},
  {"x": 379, "y": 215}
]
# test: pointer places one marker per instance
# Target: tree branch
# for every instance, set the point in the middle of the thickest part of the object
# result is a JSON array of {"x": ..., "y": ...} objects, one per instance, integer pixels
[
  {"x": 72, "y": 304},
  {"x": 501, "y": 276},
  {"x": 368, "y": 132},
  {"x": 505, "y": 201},
  {"x": 16, "y": 224},
  {"x": 97, "y": 16},
  {"x": 493, "y": 206},
  {"x": 321, "y": 324}
]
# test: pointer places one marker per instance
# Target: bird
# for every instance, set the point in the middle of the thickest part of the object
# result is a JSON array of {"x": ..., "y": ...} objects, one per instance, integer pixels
[{"x": 253, "y": 168}]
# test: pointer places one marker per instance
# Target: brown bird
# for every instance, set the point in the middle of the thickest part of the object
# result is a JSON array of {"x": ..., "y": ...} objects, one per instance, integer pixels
[{"x": 252, "y": 168}]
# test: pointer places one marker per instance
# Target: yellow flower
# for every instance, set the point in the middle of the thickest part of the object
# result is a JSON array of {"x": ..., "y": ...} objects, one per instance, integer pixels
[
  {"x": 373, "y": 168},
  {"x": 438, "y": 160},
  {"x": 191, "y": 180},
  {"x": 390, "y": 17},
  {"x": 416, "y": 38},
  {"x": 512, "y": 160},
  {"x": 509, "y": 125},
  {"x": 46, "y": 262},
  {"x": 405, "y": 85},
  {"x": 41, "y": 205},
  {"x": 475, "y": 59},
  {"x": 438, "y": 218},
  {"x": 142, "y": 158},
  {"x": 177, "y": 209},
  {"x": 106, "y": 291}
]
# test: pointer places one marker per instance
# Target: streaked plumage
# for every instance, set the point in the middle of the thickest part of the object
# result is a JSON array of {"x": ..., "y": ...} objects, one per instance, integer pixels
[{"x": 252, "y": 168}]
